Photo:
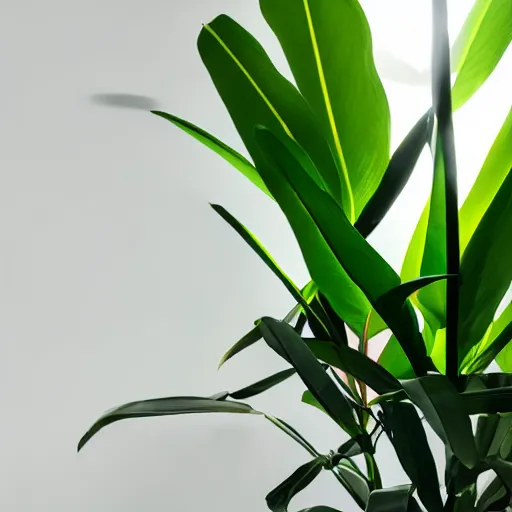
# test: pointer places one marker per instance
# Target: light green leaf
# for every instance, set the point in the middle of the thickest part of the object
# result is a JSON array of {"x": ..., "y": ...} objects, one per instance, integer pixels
[
  {"x": 486, "y": 272},
  {"x": 165, "y": 407},
  {"x": 279, "y": 498},
  {"x": 481, "y": 43},
  {"x": 320, "y": 223},
  {"x": 254, "y": 92},
  {"x": 238, "y": 161},
  {"x": 446, "y": 414},
  {"x": 328, "y": 46}
]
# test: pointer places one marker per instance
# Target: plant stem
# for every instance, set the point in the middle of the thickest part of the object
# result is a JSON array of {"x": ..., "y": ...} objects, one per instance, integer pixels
[{"x": 442, "y": 103}]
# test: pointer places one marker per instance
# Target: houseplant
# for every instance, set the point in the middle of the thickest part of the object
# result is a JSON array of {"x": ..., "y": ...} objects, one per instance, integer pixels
[{"x": 321, "y": 150}]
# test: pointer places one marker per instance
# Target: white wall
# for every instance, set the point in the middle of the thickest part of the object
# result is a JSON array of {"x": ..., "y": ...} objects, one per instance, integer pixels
[{"x": 117, "y": 281}]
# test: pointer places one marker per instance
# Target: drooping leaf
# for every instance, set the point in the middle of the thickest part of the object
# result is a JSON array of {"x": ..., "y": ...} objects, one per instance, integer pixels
[
  {"x": 292, "y": 433},
  {"x": 489, "y": 180},
  {"x": 412, "y": 448},
  {"x": 481, "y": 43},
  {"x": 285, "y": 341},
  {"x": 324, "y": 40},
  {"x": 356, "y": 364},
  {"x": 355, "y": 483},
  {"x": 322, "y": 220},
  {"x": 254, "y": 92},
  {"x": 485, "y": 271},
  {"x": 392, "y": 499},
  {"x": 446, "y": 414},
  {"x": 279, "y": 498},
  {"x": 397, "y": 175},
  {"x": 238, "y": 161},
  {"x": 165, "y": 407},
  {"x": 262, "y": 385}
]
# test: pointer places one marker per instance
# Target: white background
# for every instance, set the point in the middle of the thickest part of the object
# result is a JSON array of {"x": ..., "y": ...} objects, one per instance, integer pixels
[{"x": 118, "y": 282}]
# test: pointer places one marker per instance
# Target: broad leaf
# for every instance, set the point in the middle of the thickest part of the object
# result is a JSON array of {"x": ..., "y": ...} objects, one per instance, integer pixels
[
  {"x": 411, "y": 445},
  {"x": 356, "y": 364},
  {"x": 286, "y": 342},
  {"x": 481, "y": 43},
  {"x": 397, "y": 175},
  {"x": 494, "y": 497},
  {"x": 328, "y": 46},
  {"x": 392, "y": 499},
  {"x": 279, "y": 498},
  {"x": 316, "y": 217},
  {"x": 488, "y": 401},
  {"x": 493, "y": 435},
  {"x": 485, "y": 271},
  {"x": 238, "y": 161},
  {"x": 356, "y": 484},
  {"x": 165, "y": 407},
  {"x": 489, "y": 180},
  {"x": 254, "y": 92},
  {"x": 446, "y": 414}
]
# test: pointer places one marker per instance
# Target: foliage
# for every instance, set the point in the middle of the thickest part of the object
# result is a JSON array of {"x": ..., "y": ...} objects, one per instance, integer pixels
[{"x": 320, "y": 149}]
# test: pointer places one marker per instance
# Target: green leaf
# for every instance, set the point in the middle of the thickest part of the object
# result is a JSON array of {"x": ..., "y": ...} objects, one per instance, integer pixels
[
  {"x": 320, "y": 508},
  {"x": 354, "y": 483},
  {"x": 328, "y": 46},
  {"x": 488, "y": 401},
  {"x": 254, "y": 92},
  {"x": 279, "y": 498},
  {"x": 495, "y": 344},
  {"x": 286, "y": 342},
  {"x": 442, "y": 253},
  {"x": 392, "y": 499},
  {"x": 489, "y": 180},
  {"x": 263, "y": 385},
  {"x": 446, "y": 414},
  {"x": 494, "y": 495},
  {"x": 412, "y": 448},
  {"x": 397, "y": 174},
  {"x": 481, "y": 43},
  {"x": 229, "y": 154},
  {"x": 394, "y": 360},
  {"x": 292, "y": 433},
  {"x": 493, "y": 435},
  {"x": 485, "y": 271},
  {"x": 325, "y": 234},
  {"x": 356, "y": 364},
  {"x": 398, "y": 295},
  {"x": 165, "y": 407},
  {"x": 246, "y": 341}
]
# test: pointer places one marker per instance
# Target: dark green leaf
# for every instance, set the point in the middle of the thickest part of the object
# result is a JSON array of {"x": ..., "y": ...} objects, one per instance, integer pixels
[
  {"x": 254, "y": 92},
  {"x": 320, "y": 508},
  {"x": 229, "y": 154},
  {"x": 493, "y": 435},
  {"x": 488, "y": 401},
  {"x": 397, "y": 174},
  {"x": 493, "y": 497},
  {"x": 481, "y": 43},
  {"x": 246, "y": 341},
  {"x": 335, "y": 237},
  {"x": 279, "y": 498},
  {"x": 324, "y": 40},
  {"x": 291, "y": 432},
  {"x": 486, "y": 272},
  {"x": 262, "y": 385},
  {"x": 411, "y": 445},
  {"x": 398, "y": 295},
  {"x": 356, "y": 364},
  {"x": 283, "y": 339},
  {"x": 356, "y": 484},
  {"x": 392, "y": 499},
  {"x": 164, "y": 407},
  {"x": 446, "y": 414}
]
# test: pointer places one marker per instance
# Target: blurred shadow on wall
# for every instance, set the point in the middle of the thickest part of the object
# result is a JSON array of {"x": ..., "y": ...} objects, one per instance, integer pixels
[{"x": 122, "y": 100}]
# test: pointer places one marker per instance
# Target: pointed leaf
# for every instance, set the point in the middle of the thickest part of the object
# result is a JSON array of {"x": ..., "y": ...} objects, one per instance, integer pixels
[
  {"x": 481, "y": 43},
  {"x": 413, "y": 450},
  {"x": 486, "y": 272},
  {"x": 254, "y": 92},
  {"x": 229, "y": 154},
  {"x": 392, "y": 499},
  {"x": 262, "y": 385},
  {"x": 355, "y": 484},
  {"x": 164, "y": 407},
  {"x": 356, "y": 364},
  {"x": 285, "y": 341},
  {"x": 324, "y": 40},
  {"x": 280, "y": 497},
  {"x": 446, "y": 414},
  {"x": 246, "y": 341},
  {"x": 322, "y": 217},
  {"x": 397, "y": 175}
]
